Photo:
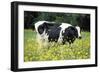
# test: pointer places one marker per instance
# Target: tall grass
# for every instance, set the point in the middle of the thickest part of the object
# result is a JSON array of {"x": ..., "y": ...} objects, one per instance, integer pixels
[{"x": 80, "y": 49}]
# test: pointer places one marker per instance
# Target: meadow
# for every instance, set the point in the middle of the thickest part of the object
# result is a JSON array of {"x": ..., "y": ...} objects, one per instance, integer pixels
[{"x": 80, "y": 49}]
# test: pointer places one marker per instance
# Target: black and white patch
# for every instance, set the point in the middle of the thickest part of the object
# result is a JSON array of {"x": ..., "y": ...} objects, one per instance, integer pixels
[
  {"x": 55, "y": 32},
  {"x": 70, "y": 35}
]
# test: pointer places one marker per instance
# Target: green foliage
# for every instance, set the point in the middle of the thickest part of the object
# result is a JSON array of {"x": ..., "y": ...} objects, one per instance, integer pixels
[
  {"x": 82, "y": 20},
  {"x": 80, "y": 49}
]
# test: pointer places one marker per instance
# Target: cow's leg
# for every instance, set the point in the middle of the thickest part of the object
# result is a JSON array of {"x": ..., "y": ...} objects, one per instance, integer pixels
[
  {"x": 39, "y": 42},
  {"x": 71, "y": 44},
  {"x": 45, "y": 41},
  {"x": 63, "y": 42},
  {"x": 45, "y": 44}
]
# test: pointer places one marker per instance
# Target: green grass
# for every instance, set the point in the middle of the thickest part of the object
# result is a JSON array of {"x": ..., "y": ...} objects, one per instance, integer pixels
[{"x": 80, "y": 49}]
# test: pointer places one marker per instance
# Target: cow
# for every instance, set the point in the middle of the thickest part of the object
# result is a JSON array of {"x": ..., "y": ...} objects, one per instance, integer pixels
[{"x": 56, "y": 32}]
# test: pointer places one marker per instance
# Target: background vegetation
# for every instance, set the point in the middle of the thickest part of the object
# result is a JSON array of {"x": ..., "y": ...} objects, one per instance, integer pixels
[
  {"x": 80, "y": 49},
  {"x": 82, "y": 20}
]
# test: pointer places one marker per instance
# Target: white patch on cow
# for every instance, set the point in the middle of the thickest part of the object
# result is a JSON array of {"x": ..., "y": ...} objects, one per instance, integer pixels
[
  {"x": 63, "y": 27},
  {"x": 78, "y": 29}
]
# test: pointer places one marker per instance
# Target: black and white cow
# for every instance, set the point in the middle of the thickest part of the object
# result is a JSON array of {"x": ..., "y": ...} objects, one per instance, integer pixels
[{"x": 55, "y": 32}]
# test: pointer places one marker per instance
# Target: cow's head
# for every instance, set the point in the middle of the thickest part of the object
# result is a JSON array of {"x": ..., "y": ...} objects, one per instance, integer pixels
[{"x": 45, "y": 27}]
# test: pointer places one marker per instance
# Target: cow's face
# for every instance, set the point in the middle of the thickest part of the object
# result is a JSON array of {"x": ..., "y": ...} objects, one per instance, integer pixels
[{"x": 79, "y": 32}]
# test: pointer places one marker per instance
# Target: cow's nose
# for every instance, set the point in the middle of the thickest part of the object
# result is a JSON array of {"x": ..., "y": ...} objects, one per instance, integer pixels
[{"x": 80, "y": 37}]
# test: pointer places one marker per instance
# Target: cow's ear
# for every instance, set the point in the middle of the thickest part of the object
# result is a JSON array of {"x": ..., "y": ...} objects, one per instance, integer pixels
[{"x": 40, "y": 29}]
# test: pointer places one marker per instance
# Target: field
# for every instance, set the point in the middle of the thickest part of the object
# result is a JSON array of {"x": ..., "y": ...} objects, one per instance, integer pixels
[{"x": 80, "y": 49}]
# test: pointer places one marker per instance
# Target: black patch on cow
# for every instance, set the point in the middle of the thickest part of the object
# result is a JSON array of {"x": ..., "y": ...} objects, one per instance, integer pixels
[
  {"x": 54, "y": 34},
  {"x": 41, "y": 29},
  {"x": 70, "y": 35},
  {"x": 51, "y": 25},
  {"x": 47, "y": 26}
]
